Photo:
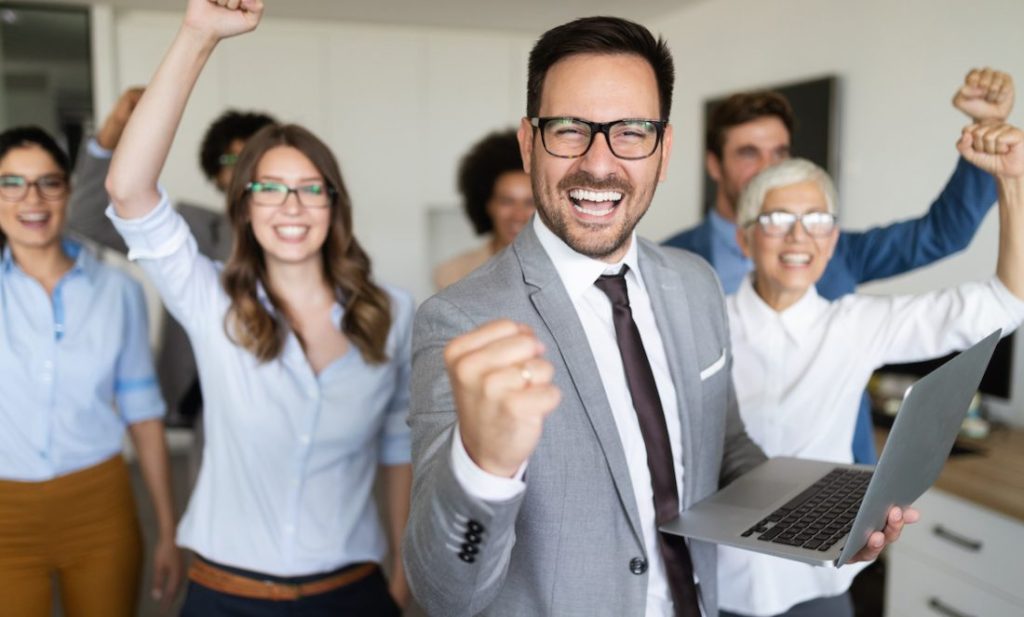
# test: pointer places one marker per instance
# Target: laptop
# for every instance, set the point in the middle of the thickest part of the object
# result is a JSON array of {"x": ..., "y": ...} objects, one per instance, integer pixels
[{"x": 822, "y": 513}]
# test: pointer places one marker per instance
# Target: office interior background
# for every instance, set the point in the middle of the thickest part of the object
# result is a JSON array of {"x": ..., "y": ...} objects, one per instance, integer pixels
[{"x": 400, "y": 89}]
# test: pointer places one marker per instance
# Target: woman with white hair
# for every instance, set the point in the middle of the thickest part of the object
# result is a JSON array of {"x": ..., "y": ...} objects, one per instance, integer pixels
[{"x": 801, "y": 362}]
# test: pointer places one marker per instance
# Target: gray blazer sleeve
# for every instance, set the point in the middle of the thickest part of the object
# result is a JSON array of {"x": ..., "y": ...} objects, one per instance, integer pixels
[
  {"x": 89, "y": 199},
  {"x": 446, "y": 577}
]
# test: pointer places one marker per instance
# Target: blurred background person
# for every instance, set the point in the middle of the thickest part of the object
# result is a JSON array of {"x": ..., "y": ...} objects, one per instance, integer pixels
[
  {"x": 77, "y": 370},
  {"x": 497, "y": 198}
]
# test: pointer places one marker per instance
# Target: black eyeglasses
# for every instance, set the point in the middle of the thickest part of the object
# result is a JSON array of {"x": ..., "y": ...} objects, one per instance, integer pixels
[
  {"x": 274, "y": 194},
  {"x": 50, "y": 188},
  {"x": 569, "y": 138},
  {"x": 779, "y": 223}
]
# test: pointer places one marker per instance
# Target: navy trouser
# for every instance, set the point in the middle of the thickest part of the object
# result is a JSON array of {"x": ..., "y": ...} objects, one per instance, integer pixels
[
  {"x": 367, "y": 597},
  {"x": 835, "y": 606}
]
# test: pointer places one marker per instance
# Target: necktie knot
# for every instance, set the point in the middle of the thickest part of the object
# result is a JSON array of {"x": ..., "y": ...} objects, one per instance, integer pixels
[{"x": 614, "y": 286}]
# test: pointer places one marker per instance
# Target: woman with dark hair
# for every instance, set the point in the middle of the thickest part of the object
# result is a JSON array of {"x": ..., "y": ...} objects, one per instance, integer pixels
[
  {"x": 303, "y": 360},
  {"x": 76, "y": 371},
  {"x": 498, "y": 200}
]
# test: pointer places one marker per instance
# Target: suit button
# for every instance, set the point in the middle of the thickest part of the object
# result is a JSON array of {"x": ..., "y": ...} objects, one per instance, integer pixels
[
  {"x": 472, "y": 538},
  {"x": 475, "y": 527},
  {"x": 467, "y": 558},
  {"x": 637, "y": 565},
  {"x": 470, "y": 549}
]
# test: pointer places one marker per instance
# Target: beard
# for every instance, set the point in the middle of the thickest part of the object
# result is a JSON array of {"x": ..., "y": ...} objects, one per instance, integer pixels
[{"x": 596, "y": 240}]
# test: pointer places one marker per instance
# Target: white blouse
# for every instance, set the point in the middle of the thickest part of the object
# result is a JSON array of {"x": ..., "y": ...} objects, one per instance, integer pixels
[{"x": 799, "y": 376}]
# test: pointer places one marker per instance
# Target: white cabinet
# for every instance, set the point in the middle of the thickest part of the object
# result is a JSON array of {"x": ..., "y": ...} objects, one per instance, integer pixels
[{"x": 960, "y": 560}]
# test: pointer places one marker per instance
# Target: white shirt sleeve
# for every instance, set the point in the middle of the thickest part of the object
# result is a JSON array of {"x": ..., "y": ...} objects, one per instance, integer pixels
[{"x": 479, "y": 483}]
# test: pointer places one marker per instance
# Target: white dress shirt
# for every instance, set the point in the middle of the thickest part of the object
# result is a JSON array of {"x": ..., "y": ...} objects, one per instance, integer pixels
[
  {"x": 799, "y": 376},
  {"x": 578, "y": 274},
  {"x": 286, "y": 484}
]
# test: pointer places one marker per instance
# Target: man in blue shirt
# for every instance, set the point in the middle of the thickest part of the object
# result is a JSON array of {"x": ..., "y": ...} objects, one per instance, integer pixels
[{"x": 750, "y": 131}]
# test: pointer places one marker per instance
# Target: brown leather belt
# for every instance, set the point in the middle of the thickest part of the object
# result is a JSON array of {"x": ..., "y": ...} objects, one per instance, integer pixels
[{"x": 210, "y": 576}]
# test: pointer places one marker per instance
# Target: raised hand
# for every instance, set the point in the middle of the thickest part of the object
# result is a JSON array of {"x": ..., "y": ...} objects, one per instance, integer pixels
[
  {"x": 221, "y": 19},
  {"x": 503, "y": 392},
  {"x": 997, "y": 148},
  {"x": 986, "y": 95}
]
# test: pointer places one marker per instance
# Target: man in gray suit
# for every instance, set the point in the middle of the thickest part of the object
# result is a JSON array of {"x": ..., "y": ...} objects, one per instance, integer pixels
[
  {"x": 224, "y": 139},
  {"x": 540, "y": 471}
]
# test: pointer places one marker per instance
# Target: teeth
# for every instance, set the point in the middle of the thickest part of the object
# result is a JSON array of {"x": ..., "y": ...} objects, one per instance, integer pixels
[
  {"x": 593, "y": 211},
  {"x": 796, "y": 258},
  {"x": 34, "y": 217},
  {"x": 291, "y": 231},
  {"x": 595, "y": 196}
]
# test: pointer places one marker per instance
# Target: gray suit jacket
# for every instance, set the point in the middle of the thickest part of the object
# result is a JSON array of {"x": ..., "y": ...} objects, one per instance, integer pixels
[
  {"x": 175, "y": 364},
  {"x": 564, "y": 547}
]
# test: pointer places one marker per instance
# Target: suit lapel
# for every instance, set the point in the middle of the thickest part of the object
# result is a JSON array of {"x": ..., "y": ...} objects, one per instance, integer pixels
[
  {"x": 671, "y": 309},
  {"x": 556, "y": 310}
]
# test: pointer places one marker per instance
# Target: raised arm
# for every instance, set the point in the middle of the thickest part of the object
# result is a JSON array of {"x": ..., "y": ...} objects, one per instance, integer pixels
[
  {"x": 89, "y": 196},
  {"x": 999, "y": 149},
  {"x": 147, "y": 138},
  {"x": 986, "y": 95}
]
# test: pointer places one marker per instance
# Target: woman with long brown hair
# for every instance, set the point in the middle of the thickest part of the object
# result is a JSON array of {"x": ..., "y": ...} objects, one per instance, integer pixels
[{"x": 303, "y": 360}]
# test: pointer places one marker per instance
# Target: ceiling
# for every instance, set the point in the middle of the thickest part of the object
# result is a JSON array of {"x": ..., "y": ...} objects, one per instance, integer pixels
[{"x": 518, "y": 15}]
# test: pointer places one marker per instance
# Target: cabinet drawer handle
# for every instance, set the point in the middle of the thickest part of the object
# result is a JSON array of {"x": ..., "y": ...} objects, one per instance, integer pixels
[
  {"x": 955, "y": 538},
  {"x": 944, "y": 609}
]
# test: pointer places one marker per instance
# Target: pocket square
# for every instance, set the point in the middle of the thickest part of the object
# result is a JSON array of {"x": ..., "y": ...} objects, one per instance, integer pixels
[{"x": 714, "y": 367}]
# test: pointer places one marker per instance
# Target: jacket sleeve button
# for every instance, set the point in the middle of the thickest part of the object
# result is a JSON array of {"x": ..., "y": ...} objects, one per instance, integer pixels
[{"x": 638, "y": 565}]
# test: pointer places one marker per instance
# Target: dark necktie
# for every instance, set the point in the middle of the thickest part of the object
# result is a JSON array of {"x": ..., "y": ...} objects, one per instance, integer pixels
[{"x": 644, "y": 392}]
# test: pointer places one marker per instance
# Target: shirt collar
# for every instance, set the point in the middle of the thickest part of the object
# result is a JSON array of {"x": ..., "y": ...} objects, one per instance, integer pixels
[
  {"x": 724, "y": 231},
  {"x": 796, "y": 321},
  {"x": 84, "y": 262},
  {"x": 578, "y": 272}
]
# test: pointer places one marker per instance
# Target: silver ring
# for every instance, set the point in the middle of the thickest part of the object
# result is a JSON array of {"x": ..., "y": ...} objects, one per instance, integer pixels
[{"x": 526, "y": 375}]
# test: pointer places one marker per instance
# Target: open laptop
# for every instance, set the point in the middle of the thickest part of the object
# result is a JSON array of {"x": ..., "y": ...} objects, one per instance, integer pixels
[{"x": 822, "y": 513}]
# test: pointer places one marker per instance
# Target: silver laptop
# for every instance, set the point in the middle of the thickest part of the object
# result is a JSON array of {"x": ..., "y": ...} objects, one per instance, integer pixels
[{"x": 822, "y": 513}]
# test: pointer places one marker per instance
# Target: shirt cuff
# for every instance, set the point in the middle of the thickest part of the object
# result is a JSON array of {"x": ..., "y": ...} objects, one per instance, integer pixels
[
  {"x": 96, "y": 150},
  {"x": 157, "y": 234},
  {"x": 479, "y": 483}
]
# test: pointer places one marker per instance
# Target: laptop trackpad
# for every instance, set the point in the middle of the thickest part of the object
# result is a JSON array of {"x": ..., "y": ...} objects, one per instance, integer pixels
[{"x": 756, "y": 495}]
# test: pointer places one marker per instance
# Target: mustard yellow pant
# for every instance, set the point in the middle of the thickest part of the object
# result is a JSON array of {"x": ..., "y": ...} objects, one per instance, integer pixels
[{"x": 81, "y": 528}]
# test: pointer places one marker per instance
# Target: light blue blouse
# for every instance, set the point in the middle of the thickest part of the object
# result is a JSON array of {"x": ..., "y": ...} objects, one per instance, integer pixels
[
  {"x": 75, "y": 369},
  {"x": 286, "y": 485}
]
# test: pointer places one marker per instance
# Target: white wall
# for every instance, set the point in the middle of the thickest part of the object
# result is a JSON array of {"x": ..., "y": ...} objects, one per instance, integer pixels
[
  {"x": 898, "y": 63},
  {"x": 397, "y": 105}
]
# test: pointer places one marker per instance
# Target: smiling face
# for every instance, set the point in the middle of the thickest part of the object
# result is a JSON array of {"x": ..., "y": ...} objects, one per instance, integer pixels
[
  {"x": 746, "y": 149},
  {"x": 33, "y": 222},
  {"x": 785, "y": 267},
  {"x": 594, "y": 202},
  {"x": 510, "y": 205},
  {"x": 289, "y": 233}
]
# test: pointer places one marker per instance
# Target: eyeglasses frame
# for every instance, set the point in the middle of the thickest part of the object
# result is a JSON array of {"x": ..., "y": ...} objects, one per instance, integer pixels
[{"x": 539, "y": 122}]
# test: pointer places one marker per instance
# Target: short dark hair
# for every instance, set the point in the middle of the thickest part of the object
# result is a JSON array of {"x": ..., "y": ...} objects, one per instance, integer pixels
[
  {"x": 742, "y": 108},
  {"x": 231, "y": 125},
  {"x": 23, "y": 136},
  {"x": 479, "y": 170},
  {"x": 599, "y": 35}
]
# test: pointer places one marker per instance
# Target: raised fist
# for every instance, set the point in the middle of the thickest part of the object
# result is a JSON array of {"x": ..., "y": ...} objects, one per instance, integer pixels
[
  {"x": 996, "y": 147},
  {"x": 986, "y": 95}
]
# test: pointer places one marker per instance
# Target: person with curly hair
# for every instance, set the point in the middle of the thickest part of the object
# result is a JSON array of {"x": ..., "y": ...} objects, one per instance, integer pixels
[{"x": 498, "y": 200}]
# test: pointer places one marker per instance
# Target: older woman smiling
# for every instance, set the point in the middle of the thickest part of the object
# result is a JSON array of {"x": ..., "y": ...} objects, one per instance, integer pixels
[{"x": 801, "y": 362}]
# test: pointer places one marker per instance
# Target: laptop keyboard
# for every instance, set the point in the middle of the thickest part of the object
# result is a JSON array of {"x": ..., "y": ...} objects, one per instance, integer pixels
[{"x": 818, "y": 517}]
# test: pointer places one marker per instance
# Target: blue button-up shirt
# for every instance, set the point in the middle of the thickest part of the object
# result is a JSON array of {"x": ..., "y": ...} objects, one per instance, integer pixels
[
  {"x": 286, "y": 485},
  {"x": 75, "y": 368}
]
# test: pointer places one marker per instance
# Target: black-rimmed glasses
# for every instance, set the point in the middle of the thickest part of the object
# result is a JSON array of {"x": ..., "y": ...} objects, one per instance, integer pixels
[
  {"x": 630, "y": 139},
  {"x": 274, "y": 194},
  {"x": 50, "y": 187},
  {"x": 779, "y": 223}
]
